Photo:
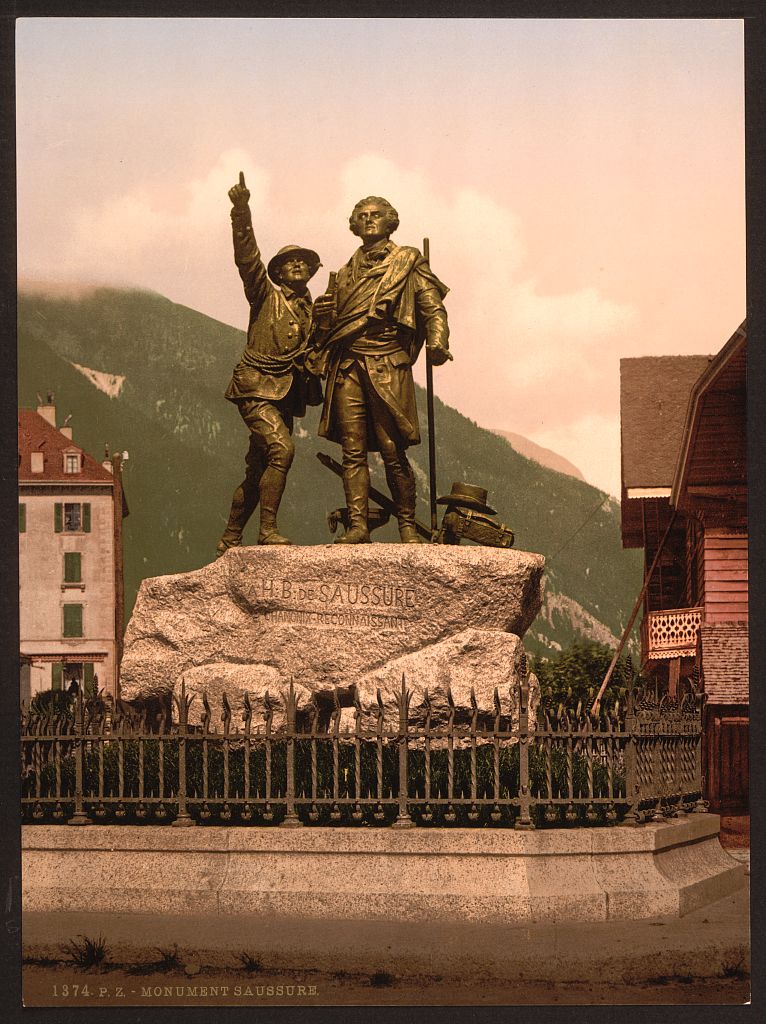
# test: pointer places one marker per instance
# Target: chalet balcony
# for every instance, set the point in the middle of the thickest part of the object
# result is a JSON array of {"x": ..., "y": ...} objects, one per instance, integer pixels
[{"x": 671, "y": 633}]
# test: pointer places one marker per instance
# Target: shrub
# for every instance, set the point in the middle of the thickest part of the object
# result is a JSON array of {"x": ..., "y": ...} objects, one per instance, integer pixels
[{"x": 575, "y": 675}]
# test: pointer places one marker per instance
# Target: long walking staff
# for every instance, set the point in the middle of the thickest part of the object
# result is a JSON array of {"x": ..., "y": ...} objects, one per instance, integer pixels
[
  {"x": 626, "y": 632},
  {"x": 430, "y": 405}
]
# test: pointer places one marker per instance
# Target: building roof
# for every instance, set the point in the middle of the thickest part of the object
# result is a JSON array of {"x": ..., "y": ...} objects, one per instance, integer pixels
[
  {"x": 725, "y": 665},
  {"x": 38, "y": 435},
  {"x": 725, "y": 461},
  {"x": 654, "y": 398}
]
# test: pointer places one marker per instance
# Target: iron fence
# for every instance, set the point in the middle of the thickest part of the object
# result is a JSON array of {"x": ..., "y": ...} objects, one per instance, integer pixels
[{"x": 105, "y": 761}]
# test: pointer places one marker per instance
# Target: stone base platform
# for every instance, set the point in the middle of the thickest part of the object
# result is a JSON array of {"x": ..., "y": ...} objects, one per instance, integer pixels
[{"x": 448, "y": 875}]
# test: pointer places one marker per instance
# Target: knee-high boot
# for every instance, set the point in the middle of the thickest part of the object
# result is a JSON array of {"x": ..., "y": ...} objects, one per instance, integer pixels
[
  {"x": 243, "y": 503},
  {"x": 356, "y": 484},
  {"x": 272, "y": 488},
  {"x": 401, "y": 483}
]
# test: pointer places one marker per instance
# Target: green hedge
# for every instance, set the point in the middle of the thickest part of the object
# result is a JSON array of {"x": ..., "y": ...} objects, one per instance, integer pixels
[{"x": 509, "y": 773}]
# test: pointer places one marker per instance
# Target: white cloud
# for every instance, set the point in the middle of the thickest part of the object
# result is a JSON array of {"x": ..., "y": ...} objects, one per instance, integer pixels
[{"x": 133, "y": 227}]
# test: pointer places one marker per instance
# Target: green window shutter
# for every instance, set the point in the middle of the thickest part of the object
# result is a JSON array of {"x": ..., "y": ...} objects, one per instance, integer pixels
[
  {"x": 72, "y": 567},
  {"x": 57, "y": 670},
  {"x": 86, "y": 517},
  {"x": 72, "y": 620},
  {"x": 58, "y": 517},
  {"x": 22, "y": 518},
  {"x": 89, "y": 679}
]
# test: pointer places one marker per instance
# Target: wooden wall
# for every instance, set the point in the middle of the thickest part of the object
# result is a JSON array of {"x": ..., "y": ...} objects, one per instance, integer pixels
[
  {"x": 724, "y": 576},
  {"x": 726, "y": 758},
  {"x": 694, "y": 580}
]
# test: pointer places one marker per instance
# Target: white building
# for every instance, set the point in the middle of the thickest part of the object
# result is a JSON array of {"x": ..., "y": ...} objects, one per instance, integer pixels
[{"x": 71, "y": 509}]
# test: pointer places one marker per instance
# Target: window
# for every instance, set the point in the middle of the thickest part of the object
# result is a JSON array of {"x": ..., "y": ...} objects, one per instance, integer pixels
[
  {"x": 38, "y": 462},
  {"x": 72, "y": 620},
  {"x": 72, "y": 567},
  {"x": 72, "y": 463},
  {"x": 81, "y": 674},
  {"x": 57, "y": 673},
  {"x": 22, "y": 518},
  {"x": 90, "y": 679},
  {"x": 72, "y": 517}
]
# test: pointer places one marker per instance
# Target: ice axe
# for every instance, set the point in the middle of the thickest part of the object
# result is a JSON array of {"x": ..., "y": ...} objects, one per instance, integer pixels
[{"x": 430, "y": 407}]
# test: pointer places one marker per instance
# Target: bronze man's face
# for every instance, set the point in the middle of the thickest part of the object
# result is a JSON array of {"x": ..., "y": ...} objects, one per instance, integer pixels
[
  {"x": 372, "y": 223},
  {"x": 294, "y": 271}
]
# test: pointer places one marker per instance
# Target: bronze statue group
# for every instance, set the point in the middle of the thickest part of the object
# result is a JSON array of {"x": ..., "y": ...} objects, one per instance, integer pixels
[{"x": 362, "y": 337}]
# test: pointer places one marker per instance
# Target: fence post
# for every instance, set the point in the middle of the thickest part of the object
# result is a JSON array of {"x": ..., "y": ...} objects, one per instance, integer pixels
[
  {"x": 524, "y": 820},
  {"x": 632, "y": 815},
  {"x": 291, "y": 818},
  {"x": 701, "y": 805},
  {"x": 183, "y": 702},
  {"x": 79, "y": 817},
  {"x": 403, "y": 818}
]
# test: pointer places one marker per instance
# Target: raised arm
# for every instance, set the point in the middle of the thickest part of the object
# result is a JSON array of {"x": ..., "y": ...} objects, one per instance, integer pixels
[{"x": 246, "y": 253}]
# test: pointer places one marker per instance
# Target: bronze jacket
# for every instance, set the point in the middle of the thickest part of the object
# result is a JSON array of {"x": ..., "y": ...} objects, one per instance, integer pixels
[
  {"x": 271, "y": 365},
  {"x": 399, "y": 295}
]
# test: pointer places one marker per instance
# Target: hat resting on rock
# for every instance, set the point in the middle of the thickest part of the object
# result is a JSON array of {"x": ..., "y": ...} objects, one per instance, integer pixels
[{"x": 467, "y": 496}]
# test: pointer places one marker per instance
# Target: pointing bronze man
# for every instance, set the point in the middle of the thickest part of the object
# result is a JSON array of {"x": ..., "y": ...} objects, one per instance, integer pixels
[
  {"x": 386, "y": 305},
  {"x": 270, "y": 385}
]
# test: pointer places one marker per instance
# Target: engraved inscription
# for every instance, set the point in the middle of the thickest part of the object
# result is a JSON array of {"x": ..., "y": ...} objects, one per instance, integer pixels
[
  {"x": 346, "y": 619},
  {"x": 390, "y": 598}
]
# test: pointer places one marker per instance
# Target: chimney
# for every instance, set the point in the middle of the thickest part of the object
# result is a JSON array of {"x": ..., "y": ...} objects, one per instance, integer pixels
[
  {"x": 65, "y": 429},
  {"x": 48, "y": 413},
  {"x": 107, "y": 463}
]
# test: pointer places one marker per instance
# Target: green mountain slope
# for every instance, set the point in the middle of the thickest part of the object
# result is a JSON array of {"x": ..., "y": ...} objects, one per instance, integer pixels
[{"x": 187, "y": 445}]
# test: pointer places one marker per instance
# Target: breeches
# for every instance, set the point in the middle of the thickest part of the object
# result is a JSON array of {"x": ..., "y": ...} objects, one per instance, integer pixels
[
  {"x": 270, "y": 425},
  {"x": 356, "y": 404}
]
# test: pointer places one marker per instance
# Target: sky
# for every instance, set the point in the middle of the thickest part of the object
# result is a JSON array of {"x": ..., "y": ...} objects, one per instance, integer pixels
[{"x": 581, "y": 182}]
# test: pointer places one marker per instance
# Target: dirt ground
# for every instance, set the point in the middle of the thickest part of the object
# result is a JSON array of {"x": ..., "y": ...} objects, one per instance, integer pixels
[{"x": 120, "y": 985}]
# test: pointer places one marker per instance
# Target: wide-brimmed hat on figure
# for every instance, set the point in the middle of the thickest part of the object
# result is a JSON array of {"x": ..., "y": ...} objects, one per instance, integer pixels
[
  {"x": 286, "y": 252},
  {"x": 467, "y": 496}
]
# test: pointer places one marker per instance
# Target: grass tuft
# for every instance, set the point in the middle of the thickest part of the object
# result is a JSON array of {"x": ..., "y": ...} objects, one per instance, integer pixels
[
  {"x": 249, "y": 963},
  {"x": 87, "y": 952},
  {"x": 735, "y": 967},
  {"x": 169, "y": 959}
]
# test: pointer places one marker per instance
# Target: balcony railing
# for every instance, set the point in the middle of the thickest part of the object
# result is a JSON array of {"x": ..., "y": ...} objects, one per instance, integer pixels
[{"x": 671, "y": 633}]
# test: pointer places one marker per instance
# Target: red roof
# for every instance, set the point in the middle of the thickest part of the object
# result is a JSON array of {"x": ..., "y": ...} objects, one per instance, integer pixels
[
  {"x": 725, "y": 666},
  {"x": 37, "y": 435}
]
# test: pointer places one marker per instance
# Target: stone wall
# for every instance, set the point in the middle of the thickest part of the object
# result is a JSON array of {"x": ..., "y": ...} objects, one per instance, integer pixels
[{"x": 493, "y": 875}]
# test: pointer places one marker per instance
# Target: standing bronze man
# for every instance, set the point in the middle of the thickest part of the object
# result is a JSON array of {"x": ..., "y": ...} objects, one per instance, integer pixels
[
  {"x": 270, "y": 385},
  {"x": 387, "y": 304}
]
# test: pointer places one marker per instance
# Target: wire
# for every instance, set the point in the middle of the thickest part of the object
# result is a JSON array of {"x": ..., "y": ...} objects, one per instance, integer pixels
[{"x": 582, "y": 524}]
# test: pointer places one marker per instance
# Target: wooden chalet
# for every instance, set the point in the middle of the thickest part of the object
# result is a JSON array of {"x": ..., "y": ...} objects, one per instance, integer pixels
[{"x": 684, "y": 501}]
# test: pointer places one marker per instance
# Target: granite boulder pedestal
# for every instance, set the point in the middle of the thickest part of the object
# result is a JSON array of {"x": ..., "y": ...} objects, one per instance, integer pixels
[{"x": 336, "y": 621}]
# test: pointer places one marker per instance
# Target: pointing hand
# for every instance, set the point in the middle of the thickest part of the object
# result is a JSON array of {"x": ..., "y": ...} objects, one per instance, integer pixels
[{"x": 239, "y": 193}]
